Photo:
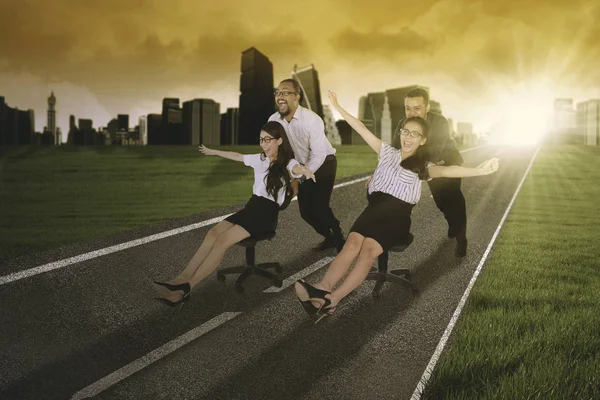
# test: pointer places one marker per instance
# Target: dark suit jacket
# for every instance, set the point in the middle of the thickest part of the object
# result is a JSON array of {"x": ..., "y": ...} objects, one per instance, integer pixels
[{"x": 440, "y": 146}]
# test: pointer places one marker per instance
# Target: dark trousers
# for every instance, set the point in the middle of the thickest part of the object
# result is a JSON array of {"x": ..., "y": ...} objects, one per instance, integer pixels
[
  {"x": 314, "y": 197},
  {"x": 450, "y": 200}
]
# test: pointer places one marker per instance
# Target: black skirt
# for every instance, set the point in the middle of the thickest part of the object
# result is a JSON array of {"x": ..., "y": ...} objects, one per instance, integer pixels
[
  {"x": 386, "y": 220},
  {"x": 258, "y": 217}
]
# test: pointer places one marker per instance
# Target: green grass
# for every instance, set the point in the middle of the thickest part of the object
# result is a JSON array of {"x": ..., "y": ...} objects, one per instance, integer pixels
[
  {"x": 55, "y": 196},
  {"x": 531, "y": 327}
]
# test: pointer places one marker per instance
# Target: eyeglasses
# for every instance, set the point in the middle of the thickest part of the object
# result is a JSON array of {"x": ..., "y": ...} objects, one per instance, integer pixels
[
  {"x": 266, "y": 139},
  {"x": 283, "y": 93},
  {"x": 413, "y": 134}
]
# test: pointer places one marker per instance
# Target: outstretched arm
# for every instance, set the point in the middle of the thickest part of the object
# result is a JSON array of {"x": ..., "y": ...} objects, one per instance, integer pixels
[
  {"x": 232, "y": 155},
  {"x": 455, "y": 171},
  {"x": 358, "y": 126}
]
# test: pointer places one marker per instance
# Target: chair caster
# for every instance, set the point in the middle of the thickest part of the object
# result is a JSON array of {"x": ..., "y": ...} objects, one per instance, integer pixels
[
  {"x": 220, "y": 277},
  {"x": 239, "y": 288},
  {"x": 279, "y": 269},
  {"x": 278, "y": 283}
]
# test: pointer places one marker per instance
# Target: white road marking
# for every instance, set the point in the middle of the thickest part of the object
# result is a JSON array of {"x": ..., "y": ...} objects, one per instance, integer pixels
[
  {"x": 155, "y": 355},
  {"x": 442, "y": 343},
  {"x": 123, "y": 246},
  {"x": 299, "y": 275}
]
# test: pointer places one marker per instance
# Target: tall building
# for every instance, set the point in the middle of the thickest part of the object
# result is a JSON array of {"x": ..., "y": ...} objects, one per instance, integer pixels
[
  {"x": 256, "y": 98},
  {"x": 16, "y": 126},
  {"x": 386, "y": 122},
  {"x": 464, "y": 130},
  {"x": 564, "y": 120},
  {"x": 308, "y": 78},
  {"x": 371, "y": 111},
  {"x": 123, "y": 122},
  {"x": 51, "y": 122},
  {"x": 154, "y": 123},
  {"x": 230, "y": 126},
  {"x": 171, "y": 131},
  {"x": 143, "y": 129},
  {"x": 345, "y": 131},
  {"x": 201, "y": 122},
  {"x": 588, "y": 122},
  {"x": 331, "y": 130}
]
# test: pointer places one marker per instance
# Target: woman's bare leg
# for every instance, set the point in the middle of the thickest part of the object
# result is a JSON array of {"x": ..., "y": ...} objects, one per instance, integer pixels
[
  {"x": 370, "y": 250},
  {"x": 202, "y": 252},
  {"x": 223, "y": 243},
  {"x": 342, "y": 262}
]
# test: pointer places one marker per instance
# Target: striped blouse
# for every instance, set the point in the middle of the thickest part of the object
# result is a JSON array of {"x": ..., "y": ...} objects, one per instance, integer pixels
[{"x": 389, "y": 176}]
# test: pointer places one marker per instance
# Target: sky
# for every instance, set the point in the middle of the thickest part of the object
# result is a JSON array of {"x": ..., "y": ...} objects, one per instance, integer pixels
[{"x": 482, "y": 60}]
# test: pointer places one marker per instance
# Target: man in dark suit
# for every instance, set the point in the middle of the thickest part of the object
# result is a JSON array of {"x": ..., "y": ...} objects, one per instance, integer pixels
[{"x": 441, "y": 150}]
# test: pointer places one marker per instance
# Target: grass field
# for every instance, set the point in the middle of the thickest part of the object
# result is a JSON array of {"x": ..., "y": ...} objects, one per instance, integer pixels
[
  {"x": 531, "y": 327},
  {"x": 52, "y": 196}
]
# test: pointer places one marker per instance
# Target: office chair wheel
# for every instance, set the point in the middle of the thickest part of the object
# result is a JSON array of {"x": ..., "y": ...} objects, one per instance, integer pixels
[
  {"x": 239, "y": 288},
  {"x": 278, "y": 269},
  {"x": 278, "y": 283},
  {"x": 220, "y": 277}
]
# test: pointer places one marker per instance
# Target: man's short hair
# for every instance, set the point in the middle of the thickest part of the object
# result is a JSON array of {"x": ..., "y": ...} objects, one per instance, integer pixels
[
  {"x": 419, "y": 92},
  {"x": 296, "y": 85}
]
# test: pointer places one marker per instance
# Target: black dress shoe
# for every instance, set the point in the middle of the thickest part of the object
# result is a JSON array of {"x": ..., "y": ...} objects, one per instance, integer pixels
[
  {"x": 461, "y": 246},
  {"x": 328, "y": 243}
]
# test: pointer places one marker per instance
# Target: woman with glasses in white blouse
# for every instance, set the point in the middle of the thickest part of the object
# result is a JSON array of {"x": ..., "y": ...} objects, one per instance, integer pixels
[
  {"x": 392, "y": 193},
  {"x": 273, "y": 169}
]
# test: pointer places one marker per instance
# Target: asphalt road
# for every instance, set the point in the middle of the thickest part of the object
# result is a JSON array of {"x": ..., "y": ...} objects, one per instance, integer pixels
[{"x": 92, "y": 328}]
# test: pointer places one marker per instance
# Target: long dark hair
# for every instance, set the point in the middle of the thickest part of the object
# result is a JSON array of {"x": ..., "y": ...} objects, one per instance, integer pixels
[
  {"x": 416, "y": 162},
  {"x": 278, "y": 167}
]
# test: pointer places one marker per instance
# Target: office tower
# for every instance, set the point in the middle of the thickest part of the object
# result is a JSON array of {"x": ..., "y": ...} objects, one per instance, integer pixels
[
  {"x": 371, "y": 110},
  {"x": 123, "y": 122},
  {"x": 257, "y": 102},
  {"x": 16, "y": 126},
  {"x": 230, "y": 126},
  {"x": 308, "y": 78},
  {"x": 171, "y": 131},
  {"x": 331, "y": 130},
  {"x": 386, "y": 122},
  {"x": 464, "y": 130},
  {"x": 143, "y": 128},
  {"x": 154, "y": 123},
  {"x": 588, "y": 122},
  {"x": 51, "y": 122},
  {"x": 201, "y": 122},
  {"x": 345, "y": 131},
  {"x": 564, "y": 120}
]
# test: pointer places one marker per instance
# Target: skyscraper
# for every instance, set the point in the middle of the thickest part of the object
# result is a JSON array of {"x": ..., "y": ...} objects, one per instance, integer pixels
[
  {"x": 308, "y": 78},
  {"x": 143, "y": 124},
  {"x": 230, "y": 126},
  {"x": 256, "y": 99},
  {"x": 51, "y": 123},
  {"x": 201, "y": 122},
  {"x": 386, "y": 122},
  {"x": 331, "y": 130},
  {"x": 171, "y": 130}
]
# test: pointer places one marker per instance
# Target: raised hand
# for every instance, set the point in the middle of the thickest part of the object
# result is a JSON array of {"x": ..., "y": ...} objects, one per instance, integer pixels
[
  {"x": 205, "y": 150},
  {"x": 333, "y": 98},
  {"x": 490, "y": 166}
]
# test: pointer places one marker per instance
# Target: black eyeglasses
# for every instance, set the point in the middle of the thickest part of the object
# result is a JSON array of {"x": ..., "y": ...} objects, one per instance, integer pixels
[
  {"x": 266, "y": 139},
  {"x": 413, "y": 134},
  {"x": 284, "y": 93}
]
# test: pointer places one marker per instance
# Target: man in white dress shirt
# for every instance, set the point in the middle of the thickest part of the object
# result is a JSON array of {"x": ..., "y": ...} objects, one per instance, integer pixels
[{"x": 306, "y": 133}]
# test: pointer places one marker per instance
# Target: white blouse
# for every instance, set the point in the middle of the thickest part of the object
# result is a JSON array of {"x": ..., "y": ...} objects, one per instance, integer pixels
[{"x": 261, "y": 169}]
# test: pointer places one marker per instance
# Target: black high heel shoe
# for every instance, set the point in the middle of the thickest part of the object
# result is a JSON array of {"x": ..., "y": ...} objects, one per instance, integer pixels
[
  {"x": 173, "y": 288},
  {"x": 170, "y": 303},
  {"x": 314, "y": 294},
  {"x": 325, "y": 312}
]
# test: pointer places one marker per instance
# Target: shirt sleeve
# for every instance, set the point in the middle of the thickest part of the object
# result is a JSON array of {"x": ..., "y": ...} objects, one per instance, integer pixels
[
  {"x": 252, "y": 160},
  {"x": 290, "y": 165},
  {"x": 427, "y": 165},
  {"x": 317, "y": 144}
]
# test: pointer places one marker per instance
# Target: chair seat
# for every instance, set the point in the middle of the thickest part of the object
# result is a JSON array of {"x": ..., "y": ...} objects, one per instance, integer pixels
[
  {"x": 252, "y": 240},
  {"x": 403, "y": 246}
]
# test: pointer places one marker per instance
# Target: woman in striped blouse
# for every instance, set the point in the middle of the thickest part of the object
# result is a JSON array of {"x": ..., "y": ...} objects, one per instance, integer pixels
[{"x": 392, "y": 193}]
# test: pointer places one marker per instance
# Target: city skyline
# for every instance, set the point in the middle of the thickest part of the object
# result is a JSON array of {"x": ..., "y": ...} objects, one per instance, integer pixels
[{"x": 478, "y": 58}]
